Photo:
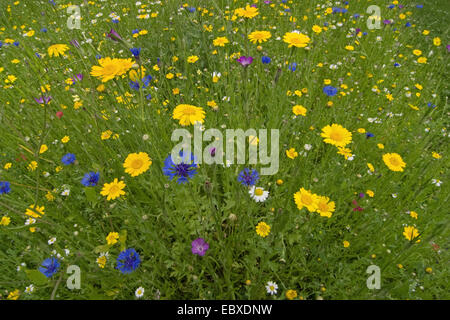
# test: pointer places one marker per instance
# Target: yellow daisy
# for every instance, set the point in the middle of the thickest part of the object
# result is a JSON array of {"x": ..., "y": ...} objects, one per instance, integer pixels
[
  {"x": 137, "y": 163},
  {"x": 263, "y": 229},
  {"x": 111, "y": 68},
  {"x": 188, "y": 114},
  {"x": 394, "y": 161},
  {"x": 336, "y": 135},
  {"x": 113, "y": 190},
  {"x": 57, "y": 50},
  {"x": 259, "y": 36},
  {"x": 248, "y": 12},
  {"x": 295, "y": 39},
  {"x": 325, "y": 207},
  {"x": 305, "y": 198},
  {"x": 410, "y": 233}
]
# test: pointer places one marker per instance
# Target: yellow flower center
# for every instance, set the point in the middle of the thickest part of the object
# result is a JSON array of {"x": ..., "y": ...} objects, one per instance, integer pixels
[
  {"x": 336, "y": 136},
  {"x": 136, "y": 164},
  {"x": 306, "y": 199},
  {"x": 259, "y": 192}
]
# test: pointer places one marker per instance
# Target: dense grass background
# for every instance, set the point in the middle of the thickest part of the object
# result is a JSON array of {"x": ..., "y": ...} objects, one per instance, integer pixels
[{"x": 160, "y": 218}]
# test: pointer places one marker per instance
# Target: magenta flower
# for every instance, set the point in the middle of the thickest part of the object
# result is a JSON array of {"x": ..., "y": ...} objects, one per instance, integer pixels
[
  {"x": 113, "y": 35},
  {"x": 245, "y": 61},
  {"x": 199, "y": 246}
]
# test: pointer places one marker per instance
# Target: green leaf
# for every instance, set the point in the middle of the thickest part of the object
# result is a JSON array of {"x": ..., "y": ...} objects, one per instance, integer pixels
[
  {"x": 91, "y": 195},
  {"x": 123, "y": 239},
  {"x": 37, "y": 277},
  {"x": 102, "y": 248}
]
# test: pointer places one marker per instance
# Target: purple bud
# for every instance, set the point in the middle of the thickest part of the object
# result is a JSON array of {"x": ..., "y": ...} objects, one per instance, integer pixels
[{"x": 113, "y": 35}]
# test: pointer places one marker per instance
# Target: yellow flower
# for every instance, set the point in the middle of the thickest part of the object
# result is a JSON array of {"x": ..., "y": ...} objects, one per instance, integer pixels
[
  {"x": 137, "y": 163},
  {"x": 212, "y": 104},
  {"x": 299, "y": 110},
  {"x": 437, "y": 41},
  {"x": 192, "y": 59},
  {"x": 417, "y": 52},
  {"x": 370, "y": 193},
  {"x": 43, "y": 148},
  {"x": 304, "y": 198},
  {"x": 14, "y": 295},
  {"x": 380, "y": 146},
  {"x": 188, "y": 114},
  {"x": 101, "y": 261},
  {"x": 113, "y": 190},
  {"x": 324, "y": 206},
  {"x": 346, "y": 243},
  {"x": 291, "y": 153},
  {"x": 49, "y": 196},
  {"x": 316, "y": 29},
  {"x": 370, "y": 166},
  {"x": 410, "y": 233},
  {"x": 263, "y": 229},
  {"x": 65, "y": 139},
  {"x": 295, "y": 39},
  {"x": 426, "y": 32},
  {"x": 248, "y": 12},
  {"x": 106, "y": 135},
  {"x": 349, "y": 48},
  {"x": 7, "y": 165},
  {"x": 436, "y": 155},
  {"x": 422, "y": 60},
  {"x": 57, "y": 50},
  {"x": 291, "y": 294},
  {"x": 5, "y": 221},
  {"x": 111, "y": 68},
  {"x": 394, "y": 161},
  {"x": 413, "y": 214},
  {"x": 35, "y": 211},
  {"x": 32, "y": 166},
  {"x": 112, "y": 237},
  {"x": 279, "y": 182},
  {"x": 336, "y": 135},
  {"x": 220, "y": 41},
  {"x": 429, "y": 270},
  {"x": 259, "y": 36}
]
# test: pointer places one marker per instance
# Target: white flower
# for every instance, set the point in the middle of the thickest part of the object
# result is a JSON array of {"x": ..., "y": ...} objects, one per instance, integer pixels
[
  {"x": 436, "y": 182},
  {"x": 52, "y": 241},
  {"x": 307, "y": 147},
  {"x": 258, "y": 194},
  {"x": 271, "y": 287},
  {"x": 139, "y": 292},
  {"x": 29, "y": 289},
  {"x": 66, "y": 192}
]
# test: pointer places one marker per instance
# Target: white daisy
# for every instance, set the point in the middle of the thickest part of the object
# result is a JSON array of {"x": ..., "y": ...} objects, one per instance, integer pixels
[
  {"x": 29, "y": 289},
  {"x": 258, "y": 194},
  {"x": 139, "y": 292},
  {"x": 52, "y": 241},
  {"x": 271, "y": 287}
]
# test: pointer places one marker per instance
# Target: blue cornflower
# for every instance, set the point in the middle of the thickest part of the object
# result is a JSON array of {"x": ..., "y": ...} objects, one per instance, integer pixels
[
  {"x": 265, "y": 60},
  {"x": 1, "y": 44},
  {"x": 330, "y": 91},
  {"x": 148, "y": 97},
  {"x": 248, "y": 177},
  {"x": 68, "y": 159},
  {"x": 191, "y": 9},
  {"x": 128, "y": 260},
  {"x": 134, "y": 85},
  {"x": 392, "y": 6},
  {"x": 136, "y": 52},
  {"x": 369, "y": 135},
  {"x": 98, "y": 57},
  {"x": 44, "y": 30},
  {"x": 50, "y": 266},
  {"x": 146, "y": 80},
  {"x": 115, "y": 20},
  {"x": 419, "y": 6},
  {"x": 396, "y": 64},
  {"x": 16, "y": 43},
  {"x": 182, "y": 171},
  {"x": 90, "y": 179},
  {"x": 408, "y": 24},
  {"x": 4, "y": 187},
  {"x": 293, "y": 66}
]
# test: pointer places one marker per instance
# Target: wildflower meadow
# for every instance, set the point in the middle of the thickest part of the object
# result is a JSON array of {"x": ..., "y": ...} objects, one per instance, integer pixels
[{"x": 207, "y": 150}]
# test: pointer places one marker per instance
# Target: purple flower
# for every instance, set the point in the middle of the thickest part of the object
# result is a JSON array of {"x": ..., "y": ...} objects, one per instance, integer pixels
[
  {"x": 113, "y": 35},
  {"x": 448, "y": 48},
  {"x": 199, "y": 246},
  {"x": 43, "y": 99},
  {"x": 245, "y": 61},
  {"x": 387, "y": 21},
  {"x": 75, "y": 43}
]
